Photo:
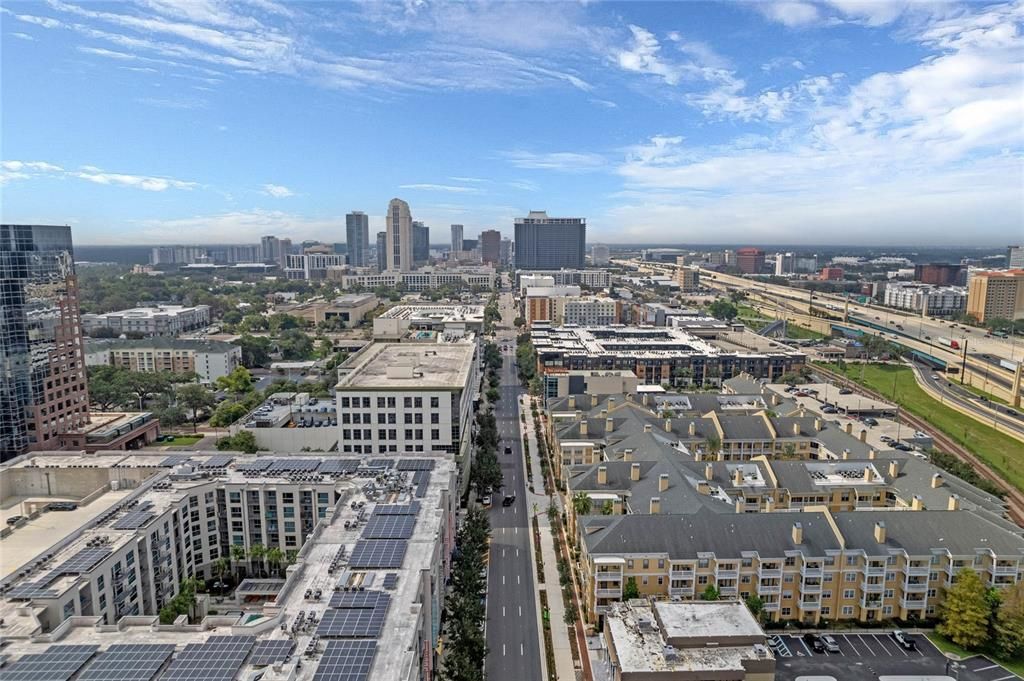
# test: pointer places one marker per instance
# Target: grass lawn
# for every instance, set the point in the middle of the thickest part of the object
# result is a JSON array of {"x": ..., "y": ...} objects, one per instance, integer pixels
[
  {"x": 947, "y": 646},
  {"x": 979, "y": 391},
  {"x": 1002, "y": 453},
  {"x": 794, "y": 331},
  {"x": 178, "y": 441}
]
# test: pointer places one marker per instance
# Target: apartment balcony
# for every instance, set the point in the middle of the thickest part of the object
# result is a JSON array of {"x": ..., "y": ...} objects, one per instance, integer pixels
[
  {"x": 681, "y": 574},
  {"x": 913, "y": 603},
  {"x": 873, "y": 570},
  {"x": 727, "y": 574},
  {"x": 769, "y": 588},
  {"x": 812, "y": 571},
  {"x": 770, "y": 606},
  {"x": 1004, "y": 570},
  {"x": 917, "y": 571},
  {"x": 608, "y": 593},
  {"x": 873, "y": 587},
  {"x": 680, "y": 591},
  {"x": 769, "y": 573},
  {"x": 915, "y": 587},
  {"x": 954, "y": 569},
  {"x": 810, "y": 605},
  {"x": 870, "y": 603},
  {"x": 810, "y": 588},
  {"x": 728, "y": 590}
]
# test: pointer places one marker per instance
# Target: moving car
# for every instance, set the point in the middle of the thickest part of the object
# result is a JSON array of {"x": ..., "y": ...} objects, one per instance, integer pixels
[
  {"x": 845, "y": 391},
  {"x": 508, "y": 500},
  {"x": 508, "y": 450},
  {"x": 905, "y": 641},
  {"x": 814, "y": 642}
]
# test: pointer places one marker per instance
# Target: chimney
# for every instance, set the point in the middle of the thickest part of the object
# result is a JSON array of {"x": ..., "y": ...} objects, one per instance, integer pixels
[
  {"x": 611, "y": 403},
  {"x": 627, "y": 454},
  {"x": 709, "y": 471},
  {"x": 880, "y": 531},
  {"x": 917, "y": 504},
  {"x": 737, "y": 476},
  {"x": 647, "y": 428},
  {"x": 602, "y": 475},
  {"x": 769, "y": 505},
  {"x": 846, "y": 454},
  {"x": 849, "y": 429},
  {"x": 703, "y": 487},
  {"x": 655, "y": 505},
  {"x": 692, "y": 430},
  {"x": 871, "y": 453},
  {"x": 609, "y": 424},
  {"x": 604, "y": 413},
  {"x": 796, "y": 430},
  {"x": 629, "y": 397},
  {"x": 584, "y": 428},
  {"x": 817, "y": 425},
  {"x": 773, "y": 400},
  {"x": 869, "y": 474},
  {"x": 644, "y": 399},
  {"x": 617, "y": 506},
  {"x": 663, "y": 482},
  {"x": 798, "y": 533},
  {"x": 572, "y": 401},
  {"x": 803, "y": 411},
  {"x": 634, "y": 472},
  {"x": 936, "y": 480},
  {"x": 578, "y": 414},
  {"x": 739, "y": 505},
  {"x": 593, "y": 401},
  {"x": 863, "y": 435},
  {"x": 954, "y": 503},
  {"x": 668, "y": 425},
  {"x": 894, "y": 469}
]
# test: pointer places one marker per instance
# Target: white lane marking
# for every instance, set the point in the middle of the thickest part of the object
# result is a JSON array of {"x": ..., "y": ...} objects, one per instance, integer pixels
[
  {"x": 860, "y": 637},
  {"x": 981, "y": 669},
  {"x": 502, "y": 551},
  {"x": 503, "y": 579},
  {"x": 518, "y": 580},
  {"x": 804, "y": 645},
  {"x": 1004, "y": 678},
  {"x": 875, "y": 636},
  {"x": 517, "y": 553},
  {"x": 503, "y": 649},
  {"x": 521, "y": 651},
  {"x": 849, "y": 642},
  {"x": 517, "y": 530},
  {"x": 503, "y": 611},
  {"x": 520, "y": 611}
]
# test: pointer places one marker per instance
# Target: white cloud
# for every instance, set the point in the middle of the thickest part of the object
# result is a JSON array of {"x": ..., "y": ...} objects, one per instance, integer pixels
[
  {"x": 41, "y": 166},
  {"x": 144, "y": 182},
  {"x": 23, "y": 36},
  {"x": 277, "y": 191},
  {"x": 792, "y": 13},
  {"x": 644, "y": 57},
  {"x": 454, "y": 189},
  {"x": 239, "y": 227},
  {"x": 565, "y": 161}
]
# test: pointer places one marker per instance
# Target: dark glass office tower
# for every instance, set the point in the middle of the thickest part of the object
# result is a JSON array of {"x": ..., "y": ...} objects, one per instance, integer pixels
[
  {"x": 42, "y": 368},
  {"x": 382, "y": 251},
  {"x": 420, "y": 243},
  {"x": 544, "y": 243},
  {"x": 357, "y": 236}
]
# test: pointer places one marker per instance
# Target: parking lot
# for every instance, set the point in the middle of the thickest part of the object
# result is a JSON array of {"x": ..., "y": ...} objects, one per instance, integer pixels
[{"x": 869, "y": 656}]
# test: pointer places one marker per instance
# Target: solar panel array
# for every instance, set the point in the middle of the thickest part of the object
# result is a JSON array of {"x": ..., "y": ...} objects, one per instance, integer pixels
[
  {"x": 268, "y": 652},
  {"x": 397, "y": 509},
  {"x": 174, "y": 460},
  {"x": 422, "y": 481},
  {"x": 218, "y": 461},
  {"x": 293, "y": 466},
  {"x": 218, "y": 659},
  {"x": 257, "y": 465},
  {"x": 391, "y": 580},
  {"x": 135, "y": 518},
  {"x": 56, "y": 663},
  {"x": 389, "y": 527},
  {"x": 359, "y": 599},
  {"x": 346, "y": 661},
  {"x": 378, "y": 553},
  {"x": 415, "y": 465},
  {"x": 339, "y": 466},
  {"x": 36, "y": 589},
  {"x": 128, "y": 662},
  {"x": 381, "y": 463},
  {"x": 84, "y": 560}
]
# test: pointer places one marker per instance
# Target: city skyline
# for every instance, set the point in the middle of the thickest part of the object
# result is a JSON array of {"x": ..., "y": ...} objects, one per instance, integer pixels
[{"x": 884, "y": 123}]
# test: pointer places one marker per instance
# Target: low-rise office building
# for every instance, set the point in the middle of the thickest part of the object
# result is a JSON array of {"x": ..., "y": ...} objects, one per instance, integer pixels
[
  {"x": 209, "y": 359},
  {"x": 451, "y": 319},
  {"x": 688, "y": 279},
  {"x": 347, "y": 310},
  {"x": 161, "y": 320}
]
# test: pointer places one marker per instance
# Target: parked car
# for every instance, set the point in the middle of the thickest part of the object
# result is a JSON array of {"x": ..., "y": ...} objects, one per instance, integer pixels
[
  {"x": 845, "y": 391},
  {"x": 15, "y": 519},
  {"x": 831, "y": 645},
  {"x": 486, "y": 500},
  {"x": 814, "y": 642},
  {"x": 905, "y": 641}
]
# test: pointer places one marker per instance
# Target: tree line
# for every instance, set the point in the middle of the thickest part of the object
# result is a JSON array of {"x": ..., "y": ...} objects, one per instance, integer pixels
[{"x": 464, "y": 611}]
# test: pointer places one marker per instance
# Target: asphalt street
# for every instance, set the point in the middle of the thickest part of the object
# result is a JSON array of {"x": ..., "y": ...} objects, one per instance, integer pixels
[
  {"x": 512, "y": 639},
  {"x": 952, "y": 392}
]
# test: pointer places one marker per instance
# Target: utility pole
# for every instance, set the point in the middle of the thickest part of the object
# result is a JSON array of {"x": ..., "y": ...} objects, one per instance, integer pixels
[{"x": 963, "y": 363}]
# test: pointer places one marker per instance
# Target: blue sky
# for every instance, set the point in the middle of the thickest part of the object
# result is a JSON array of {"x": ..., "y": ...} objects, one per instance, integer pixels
[{"x": 839, "y": 121}]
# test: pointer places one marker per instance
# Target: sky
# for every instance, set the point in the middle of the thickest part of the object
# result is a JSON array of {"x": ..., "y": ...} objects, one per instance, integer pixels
[{"x": 869, "y": 122}]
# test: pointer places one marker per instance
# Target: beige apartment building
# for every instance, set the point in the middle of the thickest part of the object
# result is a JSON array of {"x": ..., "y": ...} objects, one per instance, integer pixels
[{"x": 996, "y": 294}]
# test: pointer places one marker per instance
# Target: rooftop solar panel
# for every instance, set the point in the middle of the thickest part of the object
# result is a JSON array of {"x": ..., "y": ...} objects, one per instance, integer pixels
[
  {"x": 381, "y": 463},
  {"x": 218, "y": 659},
  {"x": 219, "y": 461},
  {"x": 128, "y": 662},
  {"x": 37, "y": 589},
  {"x": 415, "y": 464},
  {"x": 422, "y": 481},
  {"x": 378, "y": 553},
  {"x": 133, "y": 520},
  {"x": 293, "y": 465},
  {"x": 352, "y": 622},
  {"x": 389, "y": 527},
  {"x": 257, "y": 465},
  {"x": 339, "y": 466},
  {"x": 359, "y": 599},
  {"x": 174, "y": 460},
  {"x": 397, "y": 509},
  {"x": 391, "y": 580},
  {"x": 346, "y": 661},
  {"x": 84, "y": 560},
  {"x": 56, "y": 663},
  {"x": 268, "y": 652}
]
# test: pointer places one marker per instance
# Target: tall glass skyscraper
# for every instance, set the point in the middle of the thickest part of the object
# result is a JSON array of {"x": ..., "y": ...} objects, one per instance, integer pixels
[
  {"x": 399, "y": 236},
  {"x": 420, "y": 243},
  {"x": 544, "y": 243},
  {"x": 357, "y": 236},
  {"x": 42, "y": 368}
]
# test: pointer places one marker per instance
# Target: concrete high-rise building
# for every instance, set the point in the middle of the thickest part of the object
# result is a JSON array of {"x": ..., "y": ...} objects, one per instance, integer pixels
[
  {"x": 940, "y": 274},
  {"x": 1015, "y": 257},
  {"x": 457, "y": 233},
  {"x": 399, "y": 236},
  {"x": 544, "y": 243},
  {"x": 490, "y": 246},
  {"x": 750, "y": 260},
  {"x": 992, "y": 295},
  {"x": 270, "y": 249},
  {"x": 42, "y": 367},
  {"x": 599, "y": 255},
  {"x": 506, "y": 251},
  {"x": 286, "y": 250},
  {"x": 382, "y": 251},
  {"x": 357, "y": 236},
  {"x": 785, "y": 263},
  {"x": 420, "y": 243}
]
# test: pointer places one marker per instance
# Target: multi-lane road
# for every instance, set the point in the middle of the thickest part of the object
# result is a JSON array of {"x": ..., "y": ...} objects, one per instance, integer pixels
[{"x": 512, "y": 634}]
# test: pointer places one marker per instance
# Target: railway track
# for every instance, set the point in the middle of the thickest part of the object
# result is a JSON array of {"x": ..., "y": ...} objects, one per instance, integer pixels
[{"x": 1014, "y": 497}]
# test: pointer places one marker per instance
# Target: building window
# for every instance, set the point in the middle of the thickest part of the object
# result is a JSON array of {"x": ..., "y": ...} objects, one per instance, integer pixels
[
  {"x": 851, "y": 577},
  {"x": 849, "y": 593},
  {"x": 847, "y": 610}
]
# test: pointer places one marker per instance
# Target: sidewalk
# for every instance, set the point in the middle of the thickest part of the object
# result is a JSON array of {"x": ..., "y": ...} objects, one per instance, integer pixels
[{"x": 565, "y": 670}]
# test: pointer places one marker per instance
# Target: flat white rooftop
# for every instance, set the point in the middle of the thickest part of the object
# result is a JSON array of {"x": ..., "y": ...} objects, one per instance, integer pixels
[{"x": 404, "y": 366}]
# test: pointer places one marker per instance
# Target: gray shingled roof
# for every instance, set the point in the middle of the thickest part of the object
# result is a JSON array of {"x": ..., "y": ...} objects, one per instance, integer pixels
[{"x": 918, "y": 532}]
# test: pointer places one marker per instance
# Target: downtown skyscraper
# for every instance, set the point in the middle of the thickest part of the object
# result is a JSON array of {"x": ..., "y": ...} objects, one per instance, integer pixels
[
  {"x": 399, "y": 236},
  {"x": 43, "y": 393},
  {"x": 357, "y": 237},
  {"x": 544, "y": 243}
]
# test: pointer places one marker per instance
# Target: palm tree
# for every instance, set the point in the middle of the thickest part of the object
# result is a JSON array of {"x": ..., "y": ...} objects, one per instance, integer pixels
[
  {"x": 607, "y": 508},
  {"x": 713, "y": 444},
  {"x": 582, "y": 503},
  {"x": 220, "y": 566},
  {"x": 258, "y": 552},
  {"x": 237, "y": 555},
  {"x": 275, "y": 556},
  {"x": 290, "y": 556}
]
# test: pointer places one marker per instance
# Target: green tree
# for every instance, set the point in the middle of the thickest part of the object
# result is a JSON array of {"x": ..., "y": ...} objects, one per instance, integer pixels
[
  {"x": 227, "y": 412},
  {"x": 607, "y": 508},
  {"x": 582, "y": 503},
  {"x": 965, "y": 611},
  {"x": 145, "y": 385},
  {"x": 237, "y": 554},
  {"x": 238, "y": 382},
  {"x": 255, "y": 350},
  {"x": 723, "y": 309},
  {"x": 106, "y": 387},
  {"x": 493, "y": 395},
  {"x": 711, "y": 593},
  {"x": 258, "y": 553},
  {"x": 631, "y": 590},
  {"x": 755, "y": 605},
  {"x": 1009, "y": 622},
  {"x": 242, "y": 441},
  {"x": 275, "y": 556},
  {"x": 194, "y": 398},
  {"x": 220, "y": 566},
  {"x": 713, "y": 445},
  {"x": 295, "y": 345}
]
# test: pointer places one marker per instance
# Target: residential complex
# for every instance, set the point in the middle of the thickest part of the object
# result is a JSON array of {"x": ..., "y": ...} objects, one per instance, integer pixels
[
  {"x": 420, "y": 243},
  {"x": 382, "y": 251},
  {"x": 209, "y": 359},
  {"x": 599, "y": 255},
  {"x": 274, "y": 250},
  {"x": 1015, "y": 257},
  {"x": 544, "y": 243},
  {"x": 312, "y": 266},
  {"x": 159, "y": 320},
  {"x": 594, "y": 279},
  {"x": 937, "y": 301},
  {"x": 42, "y": 368},
  {"x": 357, "y": 238},
  {"x": 688, "y": 279},
  {"x": 365, "y": 540},
  {"x": 231, "y": 254},
  {"x": 424, "y": 279},
  {"x": 999, "y": 294},
  {"x": 490, "y": 247},
  {"x": 561, "y": 305},
  {"x": 457, "y": 234}
]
